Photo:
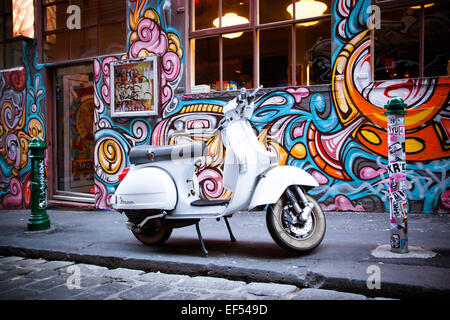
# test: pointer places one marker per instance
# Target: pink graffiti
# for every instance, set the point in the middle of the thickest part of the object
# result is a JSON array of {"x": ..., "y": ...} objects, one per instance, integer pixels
[
  {"x": 321, "y": 179},
  {"x": 333, "y": 143},
  {"x": 97, "y": 70},
  {"x": 170, "y": 70},
  {"x": 368, "y": 173},
  {"x": 197, "y": 123},
  {"x": 298, "y": 93},
  {"x": 14, "y": 199},
  {"x": 158, "y": 133},
  {"x": 298, "y": 131},
  {"x": 446, "y": 199},
  {"x": 155, "y": 41},
  {"x": 102, "y": 197},
  {"x": 106, "y": 79},
  {"x": 150, "y": 39},
  {"x": 342, "y": 203},
  {"x": 212, "y": 183}
]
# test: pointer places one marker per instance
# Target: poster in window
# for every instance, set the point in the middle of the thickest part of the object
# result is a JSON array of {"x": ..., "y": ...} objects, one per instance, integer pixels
[
  {"x": 23, "y": 18},
  {"x": 134, "y": 87}
]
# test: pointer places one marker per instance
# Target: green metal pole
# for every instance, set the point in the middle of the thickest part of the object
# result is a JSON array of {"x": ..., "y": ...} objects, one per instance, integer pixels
[
  {"x": 39, "y": 219},
  {"x": 397, "y": 174}
]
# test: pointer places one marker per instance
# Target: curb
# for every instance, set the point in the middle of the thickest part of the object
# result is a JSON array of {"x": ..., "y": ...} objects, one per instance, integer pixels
[{"x": 306, "y": 278}]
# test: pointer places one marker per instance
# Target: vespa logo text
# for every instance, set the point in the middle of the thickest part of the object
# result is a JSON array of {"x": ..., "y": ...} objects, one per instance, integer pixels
[{"x": 125, "y": 201}]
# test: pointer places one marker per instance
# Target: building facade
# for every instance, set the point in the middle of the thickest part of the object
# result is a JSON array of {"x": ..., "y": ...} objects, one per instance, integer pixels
[{"x": 101, "y": 76}]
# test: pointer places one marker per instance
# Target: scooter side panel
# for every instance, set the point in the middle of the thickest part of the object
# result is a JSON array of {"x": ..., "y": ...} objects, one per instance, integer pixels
[
  {"x": 272, "y": 185},
  {"x": 145, "y": 188}
]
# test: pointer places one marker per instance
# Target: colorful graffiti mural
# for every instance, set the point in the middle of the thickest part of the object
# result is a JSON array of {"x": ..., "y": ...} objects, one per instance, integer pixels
[
  {"x": 21, "y": 112},
  {"x": 336, "y": 132},
  {"x": 113, "y": 138},
  {"x": 358, "y": 99}
]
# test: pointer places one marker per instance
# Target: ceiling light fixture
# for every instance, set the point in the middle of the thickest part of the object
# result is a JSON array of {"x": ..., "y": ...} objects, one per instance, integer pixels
[
  {"x": 231, "y": 19},
  {"x": 305, "y": 9}
]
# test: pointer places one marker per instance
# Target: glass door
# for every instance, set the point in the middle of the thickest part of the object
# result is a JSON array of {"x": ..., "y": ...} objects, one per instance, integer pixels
[{"x": 74, "y": 100}]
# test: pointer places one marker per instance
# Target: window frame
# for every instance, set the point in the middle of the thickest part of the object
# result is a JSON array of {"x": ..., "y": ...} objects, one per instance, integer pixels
[
  {"x": 41, "y": 9},
  {"x": 7, "y": 39},
  {"x": 386, "y": 5},
  {"x": 253, "y": 26}
]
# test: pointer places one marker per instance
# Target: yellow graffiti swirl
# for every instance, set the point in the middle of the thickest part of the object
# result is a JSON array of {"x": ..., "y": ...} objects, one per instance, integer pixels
[
  {"x": 35, "y": 128},
  {"x": 109, "y": 156},
  {"x": 175, "y": 44}
]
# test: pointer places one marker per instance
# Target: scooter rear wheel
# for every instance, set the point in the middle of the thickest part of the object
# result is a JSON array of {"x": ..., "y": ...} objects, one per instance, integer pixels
[
  {"x": 154, "y": 237},
  {"x": 298, "y": 237},
  {"x": 154, "y": 232}
]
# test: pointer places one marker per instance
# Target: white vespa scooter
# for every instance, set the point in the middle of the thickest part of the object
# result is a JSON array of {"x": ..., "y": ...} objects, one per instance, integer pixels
[{"x": 160, "y": 190}]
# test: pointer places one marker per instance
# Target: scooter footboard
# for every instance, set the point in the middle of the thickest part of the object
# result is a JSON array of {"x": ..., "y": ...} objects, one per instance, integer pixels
[
  {"x": 145, "y": 188},
  {"x": 273, "y": 183}
]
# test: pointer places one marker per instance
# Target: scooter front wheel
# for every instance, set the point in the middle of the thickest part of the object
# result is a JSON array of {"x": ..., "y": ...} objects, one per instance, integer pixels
[{"x": 291, "y": 235}]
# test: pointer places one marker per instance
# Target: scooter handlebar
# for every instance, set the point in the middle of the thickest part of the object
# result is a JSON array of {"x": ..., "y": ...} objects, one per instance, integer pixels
[{"x": 253, "y": 94}]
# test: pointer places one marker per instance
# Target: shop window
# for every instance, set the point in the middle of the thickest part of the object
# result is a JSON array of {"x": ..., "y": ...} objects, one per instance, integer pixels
[
  {"x": 10, "y": 48},
  {"x": 203, "y": 11},
  {"x": 273, "y": 11},
  {"x": 89, "y": 11},
  {"x": 274, "y": 56},
  {"x": 397, "y": 44},
  {"x": 206, "y": 52},
  {"x": 313, "y": 53},
  {"x": 102, "y": 29},
  {"x": 74, "y": 99},
  {"x": 287, "y": 42},
  {"x": 13, "y": 54},
  {"x": 436, "y": 51},
  {"x": 55, "y": 17},
  {"x": 83, "y": 43},
  {"x": 409, "y": 43},
  {"x": 111, "y": 11},
  {"x": 238, "y": 61},
  {"x": 109, "y": 42},
  {"x": 56, "y": 45}
]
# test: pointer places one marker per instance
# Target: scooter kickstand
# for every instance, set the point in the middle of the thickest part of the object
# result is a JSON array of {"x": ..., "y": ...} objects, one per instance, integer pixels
[
  {"x": 233, "y": 239},
  {"x": 202, "y": 244}
]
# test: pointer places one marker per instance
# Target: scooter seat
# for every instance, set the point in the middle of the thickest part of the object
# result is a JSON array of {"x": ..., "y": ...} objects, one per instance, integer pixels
[{"x": 149, "y": 153}]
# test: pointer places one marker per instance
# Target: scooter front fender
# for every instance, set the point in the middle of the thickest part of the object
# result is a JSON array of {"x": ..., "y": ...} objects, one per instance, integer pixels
[
  {"x": 272, "y": 184},
  {"x": 146, "y": 188}
]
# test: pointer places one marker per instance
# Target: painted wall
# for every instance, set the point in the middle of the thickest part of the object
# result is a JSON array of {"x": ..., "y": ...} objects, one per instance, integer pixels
[
  {"x": 336, "y": 132},
  {"x": 22, "y": 112}
]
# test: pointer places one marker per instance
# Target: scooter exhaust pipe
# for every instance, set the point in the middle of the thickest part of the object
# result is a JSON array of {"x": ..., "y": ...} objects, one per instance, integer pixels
[{"x": 132, "y": 226}]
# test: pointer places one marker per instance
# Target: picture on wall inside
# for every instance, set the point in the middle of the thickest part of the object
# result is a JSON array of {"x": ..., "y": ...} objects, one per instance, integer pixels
[{"x": 135, "y": 87}]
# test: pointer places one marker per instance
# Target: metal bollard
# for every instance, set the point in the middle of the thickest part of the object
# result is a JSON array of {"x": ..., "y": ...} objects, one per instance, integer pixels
[
  {"x": 397, "y": 174},
  {"x": 39, "y": 219}
]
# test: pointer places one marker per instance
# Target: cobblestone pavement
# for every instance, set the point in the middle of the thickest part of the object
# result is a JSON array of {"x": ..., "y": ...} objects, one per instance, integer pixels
[{"x": 34, "y": 279}]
